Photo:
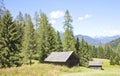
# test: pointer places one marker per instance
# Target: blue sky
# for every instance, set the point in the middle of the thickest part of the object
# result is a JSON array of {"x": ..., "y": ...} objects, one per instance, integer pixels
[{"x": 90, "y": 17}]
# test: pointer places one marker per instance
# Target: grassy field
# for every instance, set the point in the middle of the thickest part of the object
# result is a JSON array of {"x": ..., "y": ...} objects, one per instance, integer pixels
[
  {"x": 109, "y": 70},
  {"x": 37, "y": 70},
  {"x": 55, "y": 70}
]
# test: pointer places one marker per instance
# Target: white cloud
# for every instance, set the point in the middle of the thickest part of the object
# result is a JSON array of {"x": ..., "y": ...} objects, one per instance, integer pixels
[
  {"x": 84, "y": 17},
  {"x": 88, "y": 16},
  {"x": 53, "y": 22},
  {"x": 80, "y": 18},
  {"x": 56, "y": 14}
]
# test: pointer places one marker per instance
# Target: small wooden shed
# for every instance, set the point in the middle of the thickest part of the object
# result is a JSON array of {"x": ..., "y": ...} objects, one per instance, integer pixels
[
  {"x": 63, "y": 58},
  {"x": 95, "y": 65}
]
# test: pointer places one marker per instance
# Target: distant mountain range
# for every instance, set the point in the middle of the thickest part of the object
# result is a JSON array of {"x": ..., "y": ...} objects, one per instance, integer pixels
[{"x": 98, "y": 40}]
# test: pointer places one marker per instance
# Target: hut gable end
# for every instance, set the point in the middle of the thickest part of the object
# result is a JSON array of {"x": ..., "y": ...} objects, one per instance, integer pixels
[{"x": 95, "y": 64}]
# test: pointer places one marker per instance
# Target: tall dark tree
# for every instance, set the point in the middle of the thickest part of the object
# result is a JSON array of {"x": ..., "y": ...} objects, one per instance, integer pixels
[
  {"x": 47, "y": 39},
  {"x": 94, "y": 51},
  {"x": 9, "y": 42},
  {"x": 107, "y": 49},
  {"x": 20, "y": 18},
  {"x": 21, "y": 24},
  {"x": 29, "y": 41},
  {"x": 42, "y": 34},
  {"x": 114, "y": 58},
  {"x": 51, "y": 39},
  {"x": 84, "y": 53},
  {"x": 58, "y": 43},
  {"x": 77, "y": 46},
  {"x": 91, "y": 50},
  {"x": 100, "y": 52},
  {"x": 68, "y": 41},
  {"x": 26, "y": 18},
  {"x": 68, "y": 37},
  {"x": 118, "y": 49},
  {"x": 36, "y": 17},
  {"x": 67, "y": 21}
]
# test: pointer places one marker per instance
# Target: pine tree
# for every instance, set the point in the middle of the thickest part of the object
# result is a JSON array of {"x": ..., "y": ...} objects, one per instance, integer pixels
[
  {"x": 114, "y": 58},
  {"x": 94, "y": 52},
  {"x": 36, "y": 17},
  {"x": 21, "y": 24},
  {"x": 68, "y": 41},
  {"x": 20, "y": 18},
  {"x": 47, "y": 39},
  {"x": 118, "y": 49},
  {"x": 42, "y": 34},
  {"x": 91, "y": 50},
  {"x": 58, "y": 42},
  {"x": 84, "y": 53},
  {"x": 77, "y": 46},
  {"x": 107, "y": 50},
  {"x": 117, "y": 59},
  {"x": 50, "y": 39},
  {"x": 9, "y": 42},
  {"x": 67, "y": 21},
  {"x": 29, "y": 41},
  {"x": 100, "y": 52},
  {"x": 68, "y": 38}
]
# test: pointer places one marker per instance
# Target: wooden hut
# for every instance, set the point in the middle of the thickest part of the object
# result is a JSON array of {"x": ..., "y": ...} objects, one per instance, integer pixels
[
  {"x": 95, "y": 65},
  {"x": 63, "y": 58}
]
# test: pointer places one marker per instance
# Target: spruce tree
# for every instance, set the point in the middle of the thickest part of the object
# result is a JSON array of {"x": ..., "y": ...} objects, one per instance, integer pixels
[
  {"x": 9, "y": 42},
  {"x": 114, "y": 58},
  {"x": 36, "y": 17},
  {"x": 94, "y": 52},
  {"x": 91, "y": 50},
  {"x": 107, "y": 50},
  {"x": 58, "y": 42},
  {"x": 84, "y": 53},
  {"x": 67, "y": 20},
  {"x": 117, "y": 59},
  {"x": 112, "y": 61},
  {"x": 68, "y": 41},
  {"x": 20, "y": 18},
  {"x": 77, "y": 46},
  {"x": 118, "y": 49},
  {"x": 21, "y": 24},
  {"x": 41, "y": 31},
  {"x": 100, "y": 52},
  {"x": 47, "y": 39},
  {"x": 50, "y": 39},
  {"x": 68, "y": 37},
  {"x": 29, "y": 41}
]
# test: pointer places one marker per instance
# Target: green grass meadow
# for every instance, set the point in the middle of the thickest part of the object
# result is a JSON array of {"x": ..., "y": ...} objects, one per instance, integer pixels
[
  {"x": 109, "y": 70},
  {"x": 55, "y": 70}
]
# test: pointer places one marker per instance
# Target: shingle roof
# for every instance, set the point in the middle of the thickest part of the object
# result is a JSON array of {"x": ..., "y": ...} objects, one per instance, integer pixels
[
  {"x": 95, "y": 63},
  {"x": 58, "y": 56}
]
